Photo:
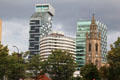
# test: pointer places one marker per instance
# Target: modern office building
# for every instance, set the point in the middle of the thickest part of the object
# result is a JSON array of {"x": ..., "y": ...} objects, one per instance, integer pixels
[
  {"x": 40, "y": 26},
  {"x": 83, "y": 26},
  {"x": 56, "y": 41},
  {"x": 0, "y": 30}
]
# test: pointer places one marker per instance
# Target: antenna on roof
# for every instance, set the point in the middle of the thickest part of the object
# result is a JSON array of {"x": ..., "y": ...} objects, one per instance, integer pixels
[
  {"x": 52, "y": 2},
  {"x": 40, "y": 1}
]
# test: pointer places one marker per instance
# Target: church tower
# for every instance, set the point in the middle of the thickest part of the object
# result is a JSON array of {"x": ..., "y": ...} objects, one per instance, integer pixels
[{"x": 93, "y": 45}]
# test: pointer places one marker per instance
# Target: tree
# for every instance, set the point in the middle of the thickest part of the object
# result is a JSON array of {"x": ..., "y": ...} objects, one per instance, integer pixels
[
  {"x": 60, "y": 65},
  {"x": 77, "y": 78},
  {"x": 16, "y": 67},
  {"x": 114, "y": 53},
  {"x": 3, "y": 61},
  {"x": 35, "y": 65},
  {"x": 112, "y": 72},
  {"x": 11, "y": 66},
  {"x": 104, "y": 72},
  {"x": 90, "y": 72},
  {"x": 113, "y": 58}
]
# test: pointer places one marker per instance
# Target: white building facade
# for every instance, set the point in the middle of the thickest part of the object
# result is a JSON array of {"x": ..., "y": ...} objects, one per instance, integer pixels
[{"x": 56, "y": 41}]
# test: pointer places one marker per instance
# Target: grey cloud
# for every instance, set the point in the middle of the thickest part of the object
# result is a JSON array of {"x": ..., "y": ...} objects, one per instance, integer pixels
[
  {"x": 68, "y": 12},
  {"x": 112, "y": 37},
  {"x": 15, "y": 34},
  {"x": 106, "y": 11}
]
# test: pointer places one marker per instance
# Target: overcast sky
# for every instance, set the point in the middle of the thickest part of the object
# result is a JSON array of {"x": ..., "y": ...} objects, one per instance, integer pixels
[{"x": 16, "y": 14}]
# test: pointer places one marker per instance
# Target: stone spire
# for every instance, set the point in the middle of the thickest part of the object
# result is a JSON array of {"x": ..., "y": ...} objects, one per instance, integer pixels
[
  {"x": 93, "y": 19},
  {"x": 93, "y": 28}
]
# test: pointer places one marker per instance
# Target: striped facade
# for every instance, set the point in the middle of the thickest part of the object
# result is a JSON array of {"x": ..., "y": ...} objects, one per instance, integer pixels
[{"x": 56, "y": 41}]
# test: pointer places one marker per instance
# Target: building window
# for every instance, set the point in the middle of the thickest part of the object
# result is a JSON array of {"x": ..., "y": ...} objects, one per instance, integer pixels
[
  {"x": 36, "y": 47},
  {"x": 31, "y": 44},
  {"x": 32, "y": 27},
  {"x": 90, "y": 47},
  {"x": 36, "y": 38},
  {"x": 31, "y": 36},
  {"x": 96, "y": 47}
]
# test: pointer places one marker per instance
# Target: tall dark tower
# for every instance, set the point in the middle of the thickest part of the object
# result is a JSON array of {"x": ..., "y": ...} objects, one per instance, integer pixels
[
  {"x": 40, "y": 26},
  {"x": 93, "y": 45}
]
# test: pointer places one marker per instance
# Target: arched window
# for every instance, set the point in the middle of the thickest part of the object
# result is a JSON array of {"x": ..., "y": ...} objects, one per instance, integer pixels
[
  {"x": 89, "y": 61},
  {"x": 90, "y": 47},
  {"x": 96, "y": 47}
]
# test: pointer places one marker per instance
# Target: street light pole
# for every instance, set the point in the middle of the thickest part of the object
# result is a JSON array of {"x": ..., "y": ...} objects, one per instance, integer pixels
[
  {"x": 16, "y": 48},
  {"x": 19, "y": 55}
]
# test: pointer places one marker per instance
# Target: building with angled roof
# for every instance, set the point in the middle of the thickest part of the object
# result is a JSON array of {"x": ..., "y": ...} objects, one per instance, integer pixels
[{"x": 40, "y": 26}]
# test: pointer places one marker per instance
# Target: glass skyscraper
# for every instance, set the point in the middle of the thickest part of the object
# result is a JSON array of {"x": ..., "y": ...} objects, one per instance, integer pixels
[
  {"x": 40, "y": 26},
  {"x": 83, "y": 27}
]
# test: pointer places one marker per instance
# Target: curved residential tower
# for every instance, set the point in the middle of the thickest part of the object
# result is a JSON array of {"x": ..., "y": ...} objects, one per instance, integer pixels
[{"x": 56, "y": 41}]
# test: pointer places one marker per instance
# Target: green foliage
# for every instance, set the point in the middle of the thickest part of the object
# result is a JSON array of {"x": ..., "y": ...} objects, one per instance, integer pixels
[
  {"x": 16, "y": 67},
  {"x": 114, "y": 53},
  {"x": 90, "y": 72},
  {"x": 35, "y": 65},
  {"x": 112, "y": 72},
  {"x": 104, "y": 72},
  {"x": 3, "y": 61},
  {"x": 77, "y": 78},
  {"x": 113, "y": 58},
  {"x": 25, "y": 54},
  {"x": 117, "y": 43},
  {"x": 60, "y": 65},
  {"x": 11, "y": 66}
]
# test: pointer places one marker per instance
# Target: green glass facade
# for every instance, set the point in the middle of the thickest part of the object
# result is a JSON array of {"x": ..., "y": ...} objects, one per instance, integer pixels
[{"x": 82, "y": 28}]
